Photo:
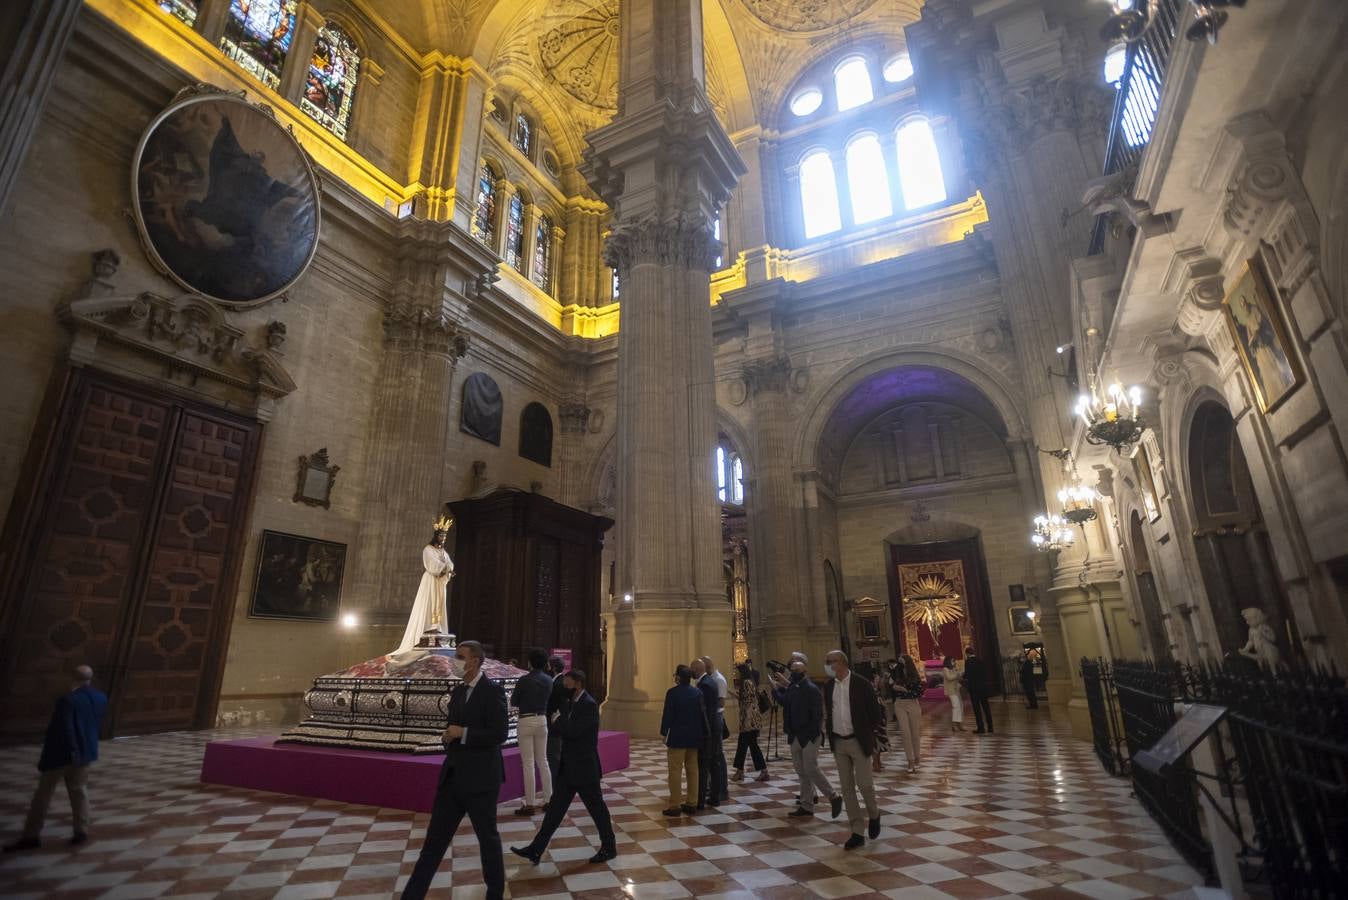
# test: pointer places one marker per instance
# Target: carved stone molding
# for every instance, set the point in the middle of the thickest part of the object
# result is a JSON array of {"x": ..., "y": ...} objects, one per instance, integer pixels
[
  {"x": 1201, "y": 291},
  {"x": 767, "y": 375},
  {"x": 1014, "y": 117},
  {"x": 574, "y": 416},
  {"x": 411, "y": 328},
  {"x": 684, "y": 241}
]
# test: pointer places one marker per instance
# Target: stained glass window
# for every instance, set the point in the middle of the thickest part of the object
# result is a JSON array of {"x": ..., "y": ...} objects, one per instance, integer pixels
[
  {"x": 542, "y": 273},
  {"x": 258, "y": 36},
  {"x": 186, "y": 10},
  {"x": 514, "y": 243},
  {"x": 524, "y": 134},
  {"x": 331, "y": 82},
  {"x": 484, "y": 215}
]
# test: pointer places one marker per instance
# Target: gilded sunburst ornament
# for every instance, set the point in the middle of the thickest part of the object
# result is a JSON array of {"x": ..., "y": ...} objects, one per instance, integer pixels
[
  {"x": 578, "y": 49},
  {"x": 806, "y": 15},
  {"x": 933, "y": 602}
]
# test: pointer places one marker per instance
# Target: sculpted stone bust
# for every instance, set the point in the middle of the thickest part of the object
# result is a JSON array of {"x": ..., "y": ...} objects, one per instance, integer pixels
[{"x": 1261, "y": 645}]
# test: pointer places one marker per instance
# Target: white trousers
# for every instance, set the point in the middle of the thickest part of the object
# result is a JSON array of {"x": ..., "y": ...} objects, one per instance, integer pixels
[
  {"x": 956, "y": 708},
  {"x": 533, "y": 732}
]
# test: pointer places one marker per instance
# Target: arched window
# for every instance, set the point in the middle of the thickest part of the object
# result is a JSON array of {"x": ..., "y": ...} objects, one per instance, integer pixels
[
  {"x": 184, "y": 10},
  {"x": 717, "y": 234},
  {"x": 852, "y": 82},
  {"x": 514, "y": 233},
  {"x": 736, "y": 479},
  {"x": 484, "y": 213},
  {"x": 920, "y": 176},
  {"x": 523, "y": 138},
  {"x": 258, "y": 35},
  {"x": 819, "y": 195},
  {"x": 542, "y": 270},
  {"x": 536, "y": 434},
  {"x": 729, "y": 475},
  {"x": 331, "y": 82},
  {"x": 615, "y": 284},
  {"x": 867, "y": 181}
]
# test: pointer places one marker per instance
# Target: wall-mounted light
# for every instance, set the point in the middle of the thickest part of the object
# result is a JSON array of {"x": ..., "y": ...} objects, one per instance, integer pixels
[
  {"x": 627, "y": 597},
  {"x": 349, "y": 620}
]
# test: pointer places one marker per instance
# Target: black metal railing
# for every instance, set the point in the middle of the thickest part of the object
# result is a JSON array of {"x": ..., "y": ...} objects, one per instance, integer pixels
[
  {"x": 1138, "y": 98},
  {"x": 1281, "y": 755},
  {"x": 1106, "y": 726}
]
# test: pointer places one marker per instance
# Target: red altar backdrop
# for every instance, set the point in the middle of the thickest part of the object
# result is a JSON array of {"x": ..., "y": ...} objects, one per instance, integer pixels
[{"x": 954, "y": 636}]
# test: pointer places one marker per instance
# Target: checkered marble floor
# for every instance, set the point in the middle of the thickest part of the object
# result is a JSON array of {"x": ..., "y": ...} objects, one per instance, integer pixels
[{"x": 1026, "y": 812}]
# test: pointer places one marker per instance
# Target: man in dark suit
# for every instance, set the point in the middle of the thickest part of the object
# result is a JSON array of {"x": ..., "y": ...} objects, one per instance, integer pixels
[
  {"x": 579, "y": 772},
  {"x": 471, "y": 776},
  {"x": 71, "y": 746},
  {"x": 803, "y": 722},
  {"x": 708, "y": 790},
  {"x": 977, "y": 687},
  {"x": 558, "y": 697},
  {"x": 852, "y": 715}
]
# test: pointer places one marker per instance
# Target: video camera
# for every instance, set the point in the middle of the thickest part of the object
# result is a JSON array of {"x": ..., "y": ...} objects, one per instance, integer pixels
[{"x": 776, "y": 667}]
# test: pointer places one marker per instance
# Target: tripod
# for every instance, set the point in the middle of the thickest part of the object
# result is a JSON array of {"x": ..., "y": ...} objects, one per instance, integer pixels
[{"x": 773, "y": 755}]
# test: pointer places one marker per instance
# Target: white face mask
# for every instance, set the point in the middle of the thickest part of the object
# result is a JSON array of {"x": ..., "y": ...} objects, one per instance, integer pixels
[
  {"x": 828, "y": 667},
  {"x": 457, "y": 666}
]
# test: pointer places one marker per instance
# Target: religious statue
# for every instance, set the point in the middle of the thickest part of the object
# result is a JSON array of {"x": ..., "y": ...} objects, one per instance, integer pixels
[
  {"x": 1262, "y": 644},
  {"x": 427, "y": 626},
  {"x": 934, "y": 603}
]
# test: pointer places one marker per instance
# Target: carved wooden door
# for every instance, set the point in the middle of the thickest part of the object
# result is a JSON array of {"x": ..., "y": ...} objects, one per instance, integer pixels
[{"x": 132, "y": 565}]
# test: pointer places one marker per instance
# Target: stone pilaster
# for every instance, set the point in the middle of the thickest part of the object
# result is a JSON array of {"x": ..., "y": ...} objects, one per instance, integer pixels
[
  {"x": 32, "y": 44},
  {"x": 294, "y": 74},
  {"x": 665, "y": 166},
  {"x": 573, "y": 419},
  {"x": 444, "y": 157}
]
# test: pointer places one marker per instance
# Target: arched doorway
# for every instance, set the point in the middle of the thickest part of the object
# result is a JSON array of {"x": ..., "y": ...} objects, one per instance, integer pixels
[
  {"x": 1230, "y": 536},
  {"x": 1148, "y": 599}
]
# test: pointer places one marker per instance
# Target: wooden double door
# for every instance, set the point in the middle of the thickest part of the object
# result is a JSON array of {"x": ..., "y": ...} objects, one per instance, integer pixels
[{"x": 125, "y": 557}]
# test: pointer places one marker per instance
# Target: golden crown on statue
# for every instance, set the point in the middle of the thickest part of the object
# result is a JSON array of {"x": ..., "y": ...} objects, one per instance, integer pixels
[{"x": 444, "y": 523}]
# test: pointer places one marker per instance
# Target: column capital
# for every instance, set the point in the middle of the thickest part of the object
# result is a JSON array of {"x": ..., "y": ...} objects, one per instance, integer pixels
[
  {"x": 682, "y": 240},
  {"x": 768, "y": 375},
  {"x": 574, "y": 416},
  {"x": 419, "y": 328}
]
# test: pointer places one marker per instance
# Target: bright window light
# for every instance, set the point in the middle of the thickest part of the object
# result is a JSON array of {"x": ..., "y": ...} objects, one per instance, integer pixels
[
  {"x": 867, "y": 181},
  {"x": 720, "y": 473},
  {"x": 852, "y": 80},
  {"x": 819, "y": 195},
  {"x": 898, "y": 69},
  {"x": 1114, "y": 61},
  {"x": 920, "y": 176},
  {"x": 807, "y": 101}
]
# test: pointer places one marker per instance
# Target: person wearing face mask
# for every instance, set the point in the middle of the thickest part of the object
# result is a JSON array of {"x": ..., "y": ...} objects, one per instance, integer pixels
[
  {"x": 852, "y": 715},
  {"x": 470, "y": 777},
  {"x": 803, "y": 720}
]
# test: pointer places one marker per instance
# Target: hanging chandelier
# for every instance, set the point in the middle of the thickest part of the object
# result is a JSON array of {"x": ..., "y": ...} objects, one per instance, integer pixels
[
  {"x": 1134, "y": 18},
  {"x": 1051, "y": 533},
  {"x": 1078, "y": 502},
  {"x": 1115, "y": 418}
]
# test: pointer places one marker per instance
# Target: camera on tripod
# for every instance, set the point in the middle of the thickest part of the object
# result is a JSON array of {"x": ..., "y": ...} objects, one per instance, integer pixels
[{"x": 776, "y": 667}]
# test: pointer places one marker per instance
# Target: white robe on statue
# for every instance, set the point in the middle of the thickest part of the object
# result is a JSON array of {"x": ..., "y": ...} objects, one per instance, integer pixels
[{"x": 430, "y": 606}]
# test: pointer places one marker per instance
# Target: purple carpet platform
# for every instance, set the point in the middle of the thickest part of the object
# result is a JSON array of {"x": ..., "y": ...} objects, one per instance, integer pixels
[{"x": 365, "y": 777}]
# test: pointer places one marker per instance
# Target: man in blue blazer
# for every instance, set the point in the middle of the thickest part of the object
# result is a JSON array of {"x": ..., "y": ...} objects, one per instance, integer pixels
[
  {"x": 471, "y": 776},
  {"x": 578, "y": 772},
  {"x": 70, "y": 747}
]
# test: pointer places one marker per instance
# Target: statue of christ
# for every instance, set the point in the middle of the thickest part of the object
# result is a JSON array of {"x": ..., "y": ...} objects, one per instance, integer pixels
[{"x": 428, "y": 624}]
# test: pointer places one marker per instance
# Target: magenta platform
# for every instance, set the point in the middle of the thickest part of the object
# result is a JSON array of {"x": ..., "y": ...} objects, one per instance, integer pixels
[{"x": 366, "y": 777}]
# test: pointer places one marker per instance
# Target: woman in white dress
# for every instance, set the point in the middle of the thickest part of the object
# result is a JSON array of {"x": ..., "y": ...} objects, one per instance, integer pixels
[
  {"x": 951, "y": 677},
  {"x": 429, "y": 611}
]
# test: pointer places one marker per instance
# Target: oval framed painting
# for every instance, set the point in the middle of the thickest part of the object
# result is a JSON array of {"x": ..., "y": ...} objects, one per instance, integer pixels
[{"x": 225, "y": 199}]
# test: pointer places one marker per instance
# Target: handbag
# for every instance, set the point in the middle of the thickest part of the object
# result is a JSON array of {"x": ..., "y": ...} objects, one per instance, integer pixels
[{"x": 763, "y": 704}]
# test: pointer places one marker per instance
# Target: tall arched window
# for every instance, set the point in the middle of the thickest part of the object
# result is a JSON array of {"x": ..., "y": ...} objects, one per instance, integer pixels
[
  {"x": 536, "y": 434},
  {"x": 819, "y": 194},
  {"x": 331, "y": 84},
  {"x": 514, "y": 232},
  {"x": 867, "y": 181},
  {"x": 852, "y": 82},
  {"x": 920, "y": 176},
  {"x": 542, "y": 270},
  {"x": 523, "y": 138},
  {"x": 258, "y": 35},
  {"x": 729, "y": 475},
  {"x": 185, "y": 10},
  {"x": 484, "y": 214}
]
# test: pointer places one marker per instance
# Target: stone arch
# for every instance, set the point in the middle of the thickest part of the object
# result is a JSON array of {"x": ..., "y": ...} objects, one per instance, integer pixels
[{"x": 987, "y": 380}]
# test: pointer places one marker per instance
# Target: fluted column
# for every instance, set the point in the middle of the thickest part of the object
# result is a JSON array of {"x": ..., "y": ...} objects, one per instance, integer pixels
[
  {"x": 665, "y": 166},
  {"x": 573, "y": 417}
]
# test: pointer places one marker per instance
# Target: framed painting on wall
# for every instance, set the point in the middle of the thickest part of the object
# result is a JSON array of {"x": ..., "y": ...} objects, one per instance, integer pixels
[
  {"x": 1262, "y": 341},
  {"x": 298, "y": 578},
  {"x": 1022, "y": 619}
]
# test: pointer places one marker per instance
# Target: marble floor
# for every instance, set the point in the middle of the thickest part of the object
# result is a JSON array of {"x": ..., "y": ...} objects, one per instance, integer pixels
[{"x": 1026, "y": 812}]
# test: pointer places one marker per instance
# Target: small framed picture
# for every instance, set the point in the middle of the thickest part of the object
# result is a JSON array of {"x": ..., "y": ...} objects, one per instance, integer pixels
[
  {"x": 870, "y": 627},
  {"x": 298, "y": 578},
  {"x": 1022, "y": 619},
  {"x": 1261, "y": 336}
]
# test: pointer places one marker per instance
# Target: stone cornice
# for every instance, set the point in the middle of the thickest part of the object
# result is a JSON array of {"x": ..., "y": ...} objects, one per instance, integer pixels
[{"x": 412, "y": 329}]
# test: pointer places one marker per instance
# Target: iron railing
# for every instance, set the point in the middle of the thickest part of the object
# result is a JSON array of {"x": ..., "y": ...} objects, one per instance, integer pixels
[
  {"x": 1106, "y": 726},
  {"x": 1281, "y": 753},
  {"x": 1138, "y": 99}
]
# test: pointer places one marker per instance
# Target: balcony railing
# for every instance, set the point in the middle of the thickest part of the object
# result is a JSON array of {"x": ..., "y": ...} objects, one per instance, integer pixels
[{"x": 1138, "y": 98}]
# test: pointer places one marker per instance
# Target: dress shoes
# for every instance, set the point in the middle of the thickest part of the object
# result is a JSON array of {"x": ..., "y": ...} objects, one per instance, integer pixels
[
  {"x": 688, "y": 809},
  {"x": 23, "y": 843},
  {"x": 801, "y": 812},
  {"x": 528, "y": 853},
  {"x": 854, "y": 842},
  {"x": 874, "y": 829},
  {"x": 525, "y": 810},
  {"x": 836, "y": 803},
  {"x": 604, "y": 855},
  {"x": 673, "y": 812}
]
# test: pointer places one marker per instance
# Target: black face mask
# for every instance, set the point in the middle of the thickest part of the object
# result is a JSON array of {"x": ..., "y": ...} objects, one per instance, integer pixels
[{"x": 797, "y": 676}]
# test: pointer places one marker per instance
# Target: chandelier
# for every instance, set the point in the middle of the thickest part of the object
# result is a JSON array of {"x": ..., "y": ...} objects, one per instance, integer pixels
[
  {"x": 1078, "y": 502},
  {"x": 1114, "y": 418},
  {"x": 1051, "y": 533},
  {"x": 1134, "y": 18}
]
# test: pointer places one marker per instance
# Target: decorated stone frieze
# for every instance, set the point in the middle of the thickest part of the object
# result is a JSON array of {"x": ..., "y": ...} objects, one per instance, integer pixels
[
  {"x": 421, "y": 329},
  {"x": 574, "y": 416},
  {"x": 768, "y": 375}
]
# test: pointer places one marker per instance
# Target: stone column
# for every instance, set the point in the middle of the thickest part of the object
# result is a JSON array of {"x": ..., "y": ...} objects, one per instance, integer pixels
[
  {"x": 33, "y": 39},
  {"x": 444, "y": 157},
  {"x": 665, "y": 166},
  {"x": 505, "y": 191},
  {"x": 211, "y": 18},
  {"x": 557, "y": 238},
  {"x": 294, "y": 73},
  {"x": 573, "y": 418}
]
